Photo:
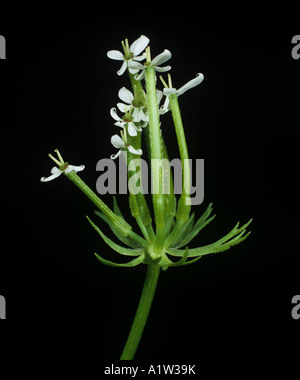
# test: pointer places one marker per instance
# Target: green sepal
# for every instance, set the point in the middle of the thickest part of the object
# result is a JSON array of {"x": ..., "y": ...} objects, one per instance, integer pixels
[
  {"x": 117, "y": 247},
  {"x": 234, "y": 237},
  {"x": 132, "y": 263}
]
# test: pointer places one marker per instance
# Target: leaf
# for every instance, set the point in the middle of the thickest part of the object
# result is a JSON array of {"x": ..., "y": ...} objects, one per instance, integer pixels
[
  {"x": 183, "y": 260},
  {"x": 132, "y": 263},
  {"x": 185, "y": 230},
  {"x": 199, "y": 225},
  {"x": 117, "y": 210},
  {"x": 116, "y": 247},
  {"x": 234, "y": 237},
  {"x": 126, "y": 240}
]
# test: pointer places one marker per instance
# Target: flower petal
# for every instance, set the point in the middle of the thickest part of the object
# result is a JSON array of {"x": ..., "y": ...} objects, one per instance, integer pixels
[
  {"x": 159, "y": 96},
  {"x": 122, "y": 69},
  {"x": 75, "y": 168},
  {"x": 135, "y": 151},
  {"x": 140, "y": 57},
  {"x": 169, "y": 91},
  {"x": 117, "y": 142},
  {"x": 122, "y": 107},
  {"x": 131, "y": 130},
  {"x": 162, "y": 69},
  {"x": 55, "y": 170},
  {"x": 140, "y": 76},
  {"x": 115, "y": 54},
  {"x": 165, "y": 107},
  {"x": 192, "y": 83},
  {"x": 135, "y": 65},
  {"x": 144, "y": 124},
  {"x": 139, "y": 45},
  {"x": 114, "y": 115},
  {"x": 161, "y": 58},
  {"x": 126, "y": 95},
  {"x": 137, "y": 114},
  {"x": 114, "y": 156},
  {"x": 120, "y": 124},
  {"x": 133, "y": 71},
  {"x": 55, "y": 173}
]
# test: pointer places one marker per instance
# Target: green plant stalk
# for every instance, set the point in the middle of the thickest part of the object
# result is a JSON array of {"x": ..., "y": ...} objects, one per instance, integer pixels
[
  {"x": 156, "y": 157},
  {"x": 184, "y": 203},
  {"x": 119, "y": 222},
  {"x": 142, "y": 214},
  {"x": 142, "y": 312}
]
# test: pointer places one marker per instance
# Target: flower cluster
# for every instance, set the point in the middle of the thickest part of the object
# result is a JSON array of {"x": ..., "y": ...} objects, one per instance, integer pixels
[{"x": 133, "y": 108}]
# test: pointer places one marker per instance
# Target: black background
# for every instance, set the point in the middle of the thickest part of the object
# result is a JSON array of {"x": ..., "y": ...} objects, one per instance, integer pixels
[{"x": 57, "y": 87}]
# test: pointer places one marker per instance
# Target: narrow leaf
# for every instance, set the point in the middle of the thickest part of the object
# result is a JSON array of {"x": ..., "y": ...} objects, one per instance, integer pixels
[
  {"x": 198, "y": 226},
  {"x": 126, "y": 240},
  {"x": 187, "y": 227},
  {"x": 117, "y": 210},
  {"x": 234, "y": 237},
  {"x": 131, "y": 263},
  {"x": 114, "y": 246}
]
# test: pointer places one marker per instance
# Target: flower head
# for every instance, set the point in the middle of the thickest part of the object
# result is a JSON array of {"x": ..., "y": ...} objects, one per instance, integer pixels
[
  {"x": 63, "y": 167},
  {"x": 138, "y": 113},
  {"x": 170, "y": 90},
  {"x": 131, "y": 53},
  {"x": 126, "y": 120},
  {"x": 121, "y": 143}
]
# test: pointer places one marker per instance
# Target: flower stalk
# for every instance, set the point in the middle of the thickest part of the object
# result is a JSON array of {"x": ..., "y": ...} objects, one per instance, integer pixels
[{"x": 156, "y": 157}]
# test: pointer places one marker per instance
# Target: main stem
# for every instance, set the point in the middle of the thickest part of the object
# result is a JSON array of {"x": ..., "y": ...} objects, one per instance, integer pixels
[
  {"x": 142, "y": 312},
  {"x": 156, "y": 158}
]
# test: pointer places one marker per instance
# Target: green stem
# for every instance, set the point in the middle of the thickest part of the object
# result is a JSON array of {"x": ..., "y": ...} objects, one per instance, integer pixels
[
  {"x": 142, "y": 213},
  {"x": 142, "y": 312},
  {"x": 156, "y": 157},
  {"x": 118, "y": 221},
  {"x": 184, "y": 203}
]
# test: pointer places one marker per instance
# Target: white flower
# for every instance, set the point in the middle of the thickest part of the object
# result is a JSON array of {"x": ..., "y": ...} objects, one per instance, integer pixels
[
  {"x": 139, "y": 113},
  {"x": 192, "y": 83},
  {"x": 127, "y": 119},
  {"x": 170, "y": 90},
  {"x": 64, "y": 167},
  {"x": 161, "y": 58},
  {"x": 131, "y": 53},
  {"x": 121, "y": 143},
  {"x": 162, "y": 110}
]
